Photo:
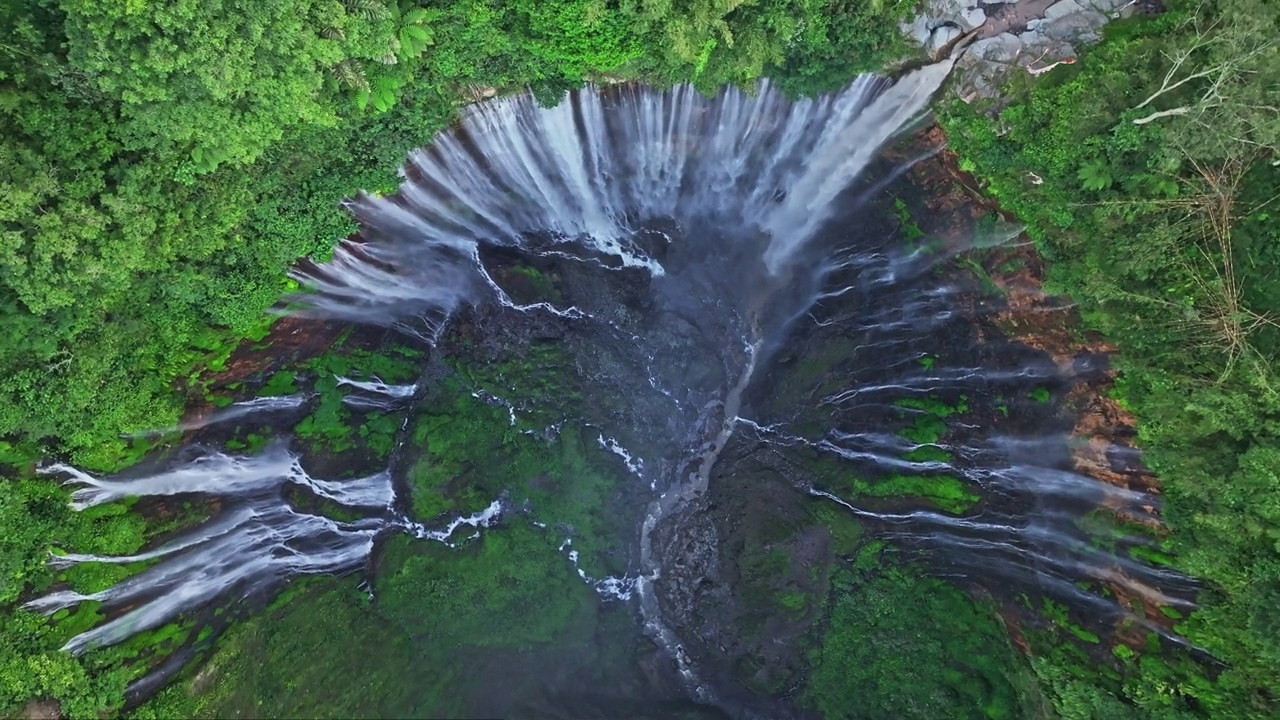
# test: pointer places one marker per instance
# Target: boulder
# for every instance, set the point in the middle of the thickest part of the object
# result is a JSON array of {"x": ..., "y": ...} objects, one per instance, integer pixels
[
  {"x": 1003, "y": 48},
  {"x": 1062, "y": 8},
  {"x": 941, "y": 37},
  {"x": 971, "y": 19},
  {"x": 1084, "y": 26},
  {"x": 918, "y": 30},
  {"x": 1062, "y": 26}
]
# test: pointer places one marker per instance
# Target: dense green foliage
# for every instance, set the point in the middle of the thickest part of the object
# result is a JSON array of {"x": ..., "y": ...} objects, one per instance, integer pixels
[
  {"x": 466, "y": 452},
  {"x": 515, "y": 588},
  {"x": 1147, "y": 173},
  {"x": 904, "y": 647},
  {"x": 34, "y": 513}
]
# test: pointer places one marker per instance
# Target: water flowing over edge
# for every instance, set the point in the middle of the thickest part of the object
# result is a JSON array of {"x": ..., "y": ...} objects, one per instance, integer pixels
[{"x": 592, "y": 172}]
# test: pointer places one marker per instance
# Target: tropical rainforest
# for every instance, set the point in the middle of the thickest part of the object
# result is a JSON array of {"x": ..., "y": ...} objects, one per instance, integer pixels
[{"x": 165, "y": 164}]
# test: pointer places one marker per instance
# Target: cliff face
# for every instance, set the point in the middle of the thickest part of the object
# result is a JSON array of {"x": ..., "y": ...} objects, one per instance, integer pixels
[{"x": 999, "y": 39}]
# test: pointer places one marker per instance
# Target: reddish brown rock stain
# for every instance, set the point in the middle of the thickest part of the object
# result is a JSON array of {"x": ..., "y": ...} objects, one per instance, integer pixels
[
  {"x": 290, "y": 340},
  {"x": 1049, "y": 324}
]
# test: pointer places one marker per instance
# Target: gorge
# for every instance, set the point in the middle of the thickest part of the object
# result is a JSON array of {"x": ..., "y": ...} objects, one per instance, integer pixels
[
  {"x": 714, "y": 290},
  {"x": 640, "y": 359}
]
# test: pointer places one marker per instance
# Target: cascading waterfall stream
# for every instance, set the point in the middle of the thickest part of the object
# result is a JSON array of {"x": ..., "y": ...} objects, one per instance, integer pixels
[
  {"x": 255, "y": 542},
  {"x": 233, "y": 412}
]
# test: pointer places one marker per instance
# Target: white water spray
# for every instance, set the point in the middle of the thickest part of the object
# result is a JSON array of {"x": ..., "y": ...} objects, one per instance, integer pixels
[
  {"x": 376, "y": 385},
  {"x": 226, "y": 476},
  {"x": 593, "y": 170},
  {"x": 255, "y": 541}
]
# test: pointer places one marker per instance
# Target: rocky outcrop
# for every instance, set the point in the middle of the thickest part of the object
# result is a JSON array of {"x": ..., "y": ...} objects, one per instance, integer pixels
[{"x": 999, "y": 38}]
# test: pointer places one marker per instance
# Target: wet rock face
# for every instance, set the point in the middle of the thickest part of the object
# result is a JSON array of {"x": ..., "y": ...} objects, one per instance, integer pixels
[
  {"x": 745, "y": 575},
  {"x": 649, "y": 361},
  {"x": 693, "y": 586}
]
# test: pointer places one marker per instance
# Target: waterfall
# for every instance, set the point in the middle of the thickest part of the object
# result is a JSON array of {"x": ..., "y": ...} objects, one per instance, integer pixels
[
  {"x": 225, "y": 475},
  {"x": 594, "y": 170},
  {"x": 255, "y": 542}
]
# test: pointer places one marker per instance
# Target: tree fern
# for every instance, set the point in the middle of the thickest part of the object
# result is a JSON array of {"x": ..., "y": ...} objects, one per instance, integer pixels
[
  {"x": 413, "y": 40},
  {"x": 349, "y": 73},
  {"x": 367, "y": 10},
  {"x": 418, "y": 16},
  {"x": 1095, "y": 176}
]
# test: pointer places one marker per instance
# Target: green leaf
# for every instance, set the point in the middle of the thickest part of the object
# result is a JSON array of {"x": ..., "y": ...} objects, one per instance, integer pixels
[
  {"x": 413, "y": 40},
  {"x": 1095, "y": 176},
  {"x": 383, "y": 98},
  {"x": 419, "y": 16}
]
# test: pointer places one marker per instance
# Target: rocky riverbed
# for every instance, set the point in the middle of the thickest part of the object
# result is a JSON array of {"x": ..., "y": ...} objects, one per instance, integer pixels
[{"x": 1001, "y": 39}]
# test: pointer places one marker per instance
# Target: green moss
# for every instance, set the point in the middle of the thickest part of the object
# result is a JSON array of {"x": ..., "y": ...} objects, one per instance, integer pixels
[
  {"x": 541, "y": 379},
  {"x": 1151, "y": 555},
  {"x": 77, "y": 620},
  {"x": 1011, "y": 265},
  {"x": 903, "y": 646},
  {"x": 281, "y": 383},
  {"x": 378, "y": 433},
  {"x": 427, "y": 483},
  {"x": 928, "y": 453},
  {"x": 326, "y": 427},
  {"x": 926, "y": 430},
  {"x": 1085, "y": 635},
  {"x": 1057, "y": 613},
  {"x": 933, "y": 406},
  {"x": 869, "y": 555},
  {"x": 512, "y": 587},
  {"x": 165, "y": 638},
  {"x": 910, "y": 228},
  {"x": 528, "y": 284},
  {"x": 989, "y": 285},
  {"x": 762, "y": 566},
  {"x": 846, "y": 532},
  {"x": 395, "y": 364},
  {"x": 470, "y": 454},
  {"x": 795, "y": 602},
  {"x": 332, "y": 427},
  {"x": 930, "y": 427},
  {"x": 255, "y": 443},
  {"x": 947, "y": 492},
  {"x": 298, "y": 661}
]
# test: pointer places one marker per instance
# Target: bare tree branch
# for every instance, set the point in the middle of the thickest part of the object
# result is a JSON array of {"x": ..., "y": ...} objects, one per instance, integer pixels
[{"x": 1163, "y": 113}]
